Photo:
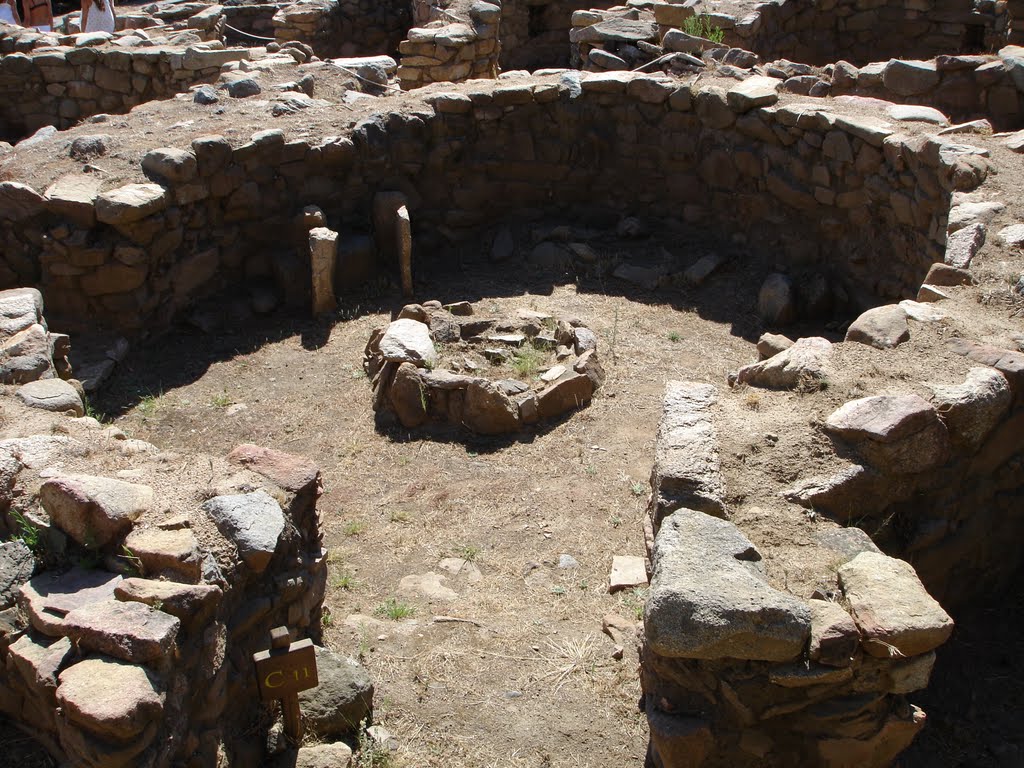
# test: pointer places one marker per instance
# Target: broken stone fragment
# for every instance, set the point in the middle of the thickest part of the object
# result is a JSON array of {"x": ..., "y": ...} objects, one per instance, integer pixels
[
  {"x": 834, "y": 635},
  {"x": 16, "y": 566},
  {"x": 488, "y": 410},
  {"x": 569, "y": 393},
  {"x": 776, "y": 304},
  {"x": 110, "y": 698},
  {"x": 627, "y": 571},
  {"x": 130, "y": 631},
  {"x": 342, "y": 700},
  {"x": 710, "y": 600},
  {"x": 882, "y": 327},
  {"x": 807, "y": 363},
  {"x": 94, "y": 510},
  {"x": 408, "y": 341},
  {"x": 252, "y": 521},
  {"x": 49, "y": 597},
  {"x": 972, "y": 409},
  {"x": 896, "y": 615},
  {"x": 756, "y": 91},
  {"x": 897, "y": 434},
  {"x": 131, "y": 203},
  {"x": 964, "y": 244},
  {"x": 39, "y": 660},
  {"x": 770, "y": 344},
  {"x": 174, "y": 553}
]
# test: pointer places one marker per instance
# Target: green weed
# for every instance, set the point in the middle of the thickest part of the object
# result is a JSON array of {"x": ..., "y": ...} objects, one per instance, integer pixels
[
  {"x": 701, "y": 26},
  {"x": 394, "y": 609}
]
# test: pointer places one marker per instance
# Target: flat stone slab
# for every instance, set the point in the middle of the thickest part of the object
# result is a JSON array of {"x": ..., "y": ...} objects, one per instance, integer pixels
[
  {"x": 918, "y": 114},
  {"x": 753, "y": 92},
  {"x": 49, "y": 597},
  {"x": 336, "y": 755},
  {"x": 51, "y": 395},
  {"x": 627, "y": 571},
  {"x": 687, "y": 466},
  {"x": 188, "y": 602},
  {"x": 408, "y": 341},
  {"x": 292, "y": 473},
  {"x": 709, "y": 599},
  {"x": 94, "y": 510},
  {"x": 130, "y": 631},
  {"x": 895, "y": 614},
  {"x": 883, "y": 418},
  {"x": 1012, "y": 235},
  {"x": 807, "y": 362},
  {"x": 897, "y": 434},
  {"x": 131, "y": 203},
  {"x": 252, "y": 521},
  {"x": 110, "y": 698},
  {"x": 922, "y": 313}
]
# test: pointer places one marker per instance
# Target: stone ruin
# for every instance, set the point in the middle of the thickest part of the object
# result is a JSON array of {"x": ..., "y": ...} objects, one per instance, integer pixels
[
  {"x": 874, "y": 189},
  {"x": 133, "y": 593},
  {"x": 418, "y": 386}
]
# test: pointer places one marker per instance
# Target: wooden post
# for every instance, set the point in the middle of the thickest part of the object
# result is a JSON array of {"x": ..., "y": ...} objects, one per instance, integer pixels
[{"x": 282, "y": 672}]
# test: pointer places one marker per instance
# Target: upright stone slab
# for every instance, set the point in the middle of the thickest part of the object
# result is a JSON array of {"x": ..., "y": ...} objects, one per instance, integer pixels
[
  {"x": 687, "y": 467},
  {"x": 323, "y": 255},
  {"x": 403, "y": 246}
]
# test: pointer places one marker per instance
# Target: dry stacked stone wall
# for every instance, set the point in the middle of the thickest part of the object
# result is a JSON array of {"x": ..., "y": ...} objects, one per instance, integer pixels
[
  {"x": 343, "y": 27},
  {"x": 860, "y": 31},
  {"x": 62, "y": 85},
  {"x": 462, "y": 45},
  {"x": 736, "y": 671},
  {"x": 724, "y": 157},
  {"x": 130, "y": 608}
]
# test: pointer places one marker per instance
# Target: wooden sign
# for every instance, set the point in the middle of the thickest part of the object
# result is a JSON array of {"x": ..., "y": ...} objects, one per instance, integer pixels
[{"x": 283, "y": 671}]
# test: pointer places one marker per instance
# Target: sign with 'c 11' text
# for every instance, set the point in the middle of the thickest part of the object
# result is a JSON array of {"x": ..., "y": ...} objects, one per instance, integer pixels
[{"x": 284, "y": 671}]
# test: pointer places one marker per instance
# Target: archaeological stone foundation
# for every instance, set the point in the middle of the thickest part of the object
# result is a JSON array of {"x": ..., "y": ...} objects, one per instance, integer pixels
[{"x": 866, "y": 154}]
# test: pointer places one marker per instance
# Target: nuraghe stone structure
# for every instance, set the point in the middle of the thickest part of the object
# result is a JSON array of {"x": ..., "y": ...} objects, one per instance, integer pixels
[{"x": 845, "y": 173}]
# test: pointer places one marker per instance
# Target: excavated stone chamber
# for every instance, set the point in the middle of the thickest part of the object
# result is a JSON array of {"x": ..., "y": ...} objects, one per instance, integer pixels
[{"x": 851, "y": 207}]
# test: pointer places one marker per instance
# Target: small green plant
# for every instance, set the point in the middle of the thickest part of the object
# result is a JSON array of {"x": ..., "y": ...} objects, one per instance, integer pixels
[
  {"x": 674, "y": 336},
  {"x": 369, "y": 753},
  {"x": 423, "y": 398},
  {"x": 398, "y": 516},
  {"x": 615, "y": 521},
  {"x": 638, "y": 489},
  {"x": 326, "y": 619},
  {"x": 27, "y": 533},
  {"x": 394, "y": 609},
  {"x": 133, "y": 561},
  {"x": 528, "y": 359},
  {"x": 468, "y": 552},
  {"x": 223, "y": 400},
  {"x": 701, "y": 26},
  {"x": 100, "y": 416},
  {"x": 590, "y": 469},
  {"x": 353, "y": 527},
  {"x": 344, "y": 580},
  {"x": 148, "y": 405}
]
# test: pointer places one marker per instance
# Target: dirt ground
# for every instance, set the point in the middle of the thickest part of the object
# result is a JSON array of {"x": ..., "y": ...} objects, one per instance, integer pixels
[{"x": 525, "y": 677}]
